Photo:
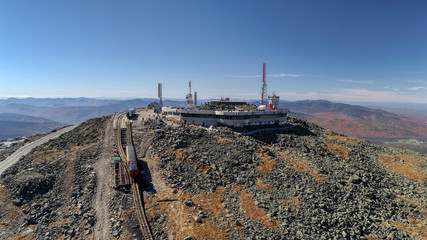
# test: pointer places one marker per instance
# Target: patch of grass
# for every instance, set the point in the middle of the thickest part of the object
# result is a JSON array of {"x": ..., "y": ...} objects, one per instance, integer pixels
[
  {"x": 293, "y": 202},
  {"x": 8, "y": 211},
  {"x": 268, "y": 162},
  {"x": 340, "y": 138},
  {"x": 204, "y": 168},
  {"x": 415, "y": 227},
  {"x": 224, "y": 140},
  {"x": 406, "y": 165},
  {"x": 180, "y": 217},
  {"x": 179, "y": 154},
  {"x": 415, "y": 202},
  {"x": 337, "y": 149},
  {"x": 254, "y": 212},
  {"x": 371, "y": 238},
  {"x": 264, "y": 185},
  {"x": 301, "y": 165}
]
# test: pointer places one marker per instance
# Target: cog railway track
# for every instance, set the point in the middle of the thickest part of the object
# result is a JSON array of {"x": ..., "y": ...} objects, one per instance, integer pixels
[{"x": 124, "y": 137}]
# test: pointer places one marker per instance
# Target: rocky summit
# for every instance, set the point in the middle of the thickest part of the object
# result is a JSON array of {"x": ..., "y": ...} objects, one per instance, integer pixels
[{"x": 298, "y": 182}]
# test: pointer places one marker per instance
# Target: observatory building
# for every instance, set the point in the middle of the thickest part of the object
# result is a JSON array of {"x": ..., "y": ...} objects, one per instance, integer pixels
[
  {"x": 231, "y": 113},
  {"x": 227, "y": 118}
]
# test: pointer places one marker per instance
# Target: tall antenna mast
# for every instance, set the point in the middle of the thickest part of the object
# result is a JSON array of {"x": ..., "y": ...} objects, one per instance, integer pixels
[
  {"x": 264, "y": 87},
  {"x": 189, "y": 97},
  {"x": 159, "y": 93}
]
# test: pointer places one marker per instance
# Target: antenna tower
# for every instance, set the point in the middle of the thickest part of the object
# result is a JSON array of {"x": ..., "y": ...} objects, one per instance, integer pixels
[
  {"x": 159, "y": 93},
  {"x": 264, "y": 87},
  {"x": 189, "y": 97}
]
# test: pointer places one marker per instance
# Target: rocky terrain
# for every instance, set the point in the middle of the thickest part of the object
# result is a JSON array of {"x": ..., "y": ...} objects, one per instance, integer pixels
[
  {"x": 300, "y": 182},
  {"x": 49, "y": 192}
]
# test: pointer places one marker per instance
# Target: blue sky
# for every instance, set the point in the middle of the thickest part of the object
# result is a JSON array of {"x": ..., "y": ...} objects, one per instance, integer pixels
[{"x": 334, "y": 50}]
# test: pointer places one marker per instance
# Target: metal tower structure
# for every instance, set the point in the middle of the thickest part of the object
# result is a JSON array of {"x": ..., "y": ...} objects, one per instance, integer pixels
[
  {"x": 189, "y": 97},
  {"x": 273, "y": 102},
  {"x": 264, "y": 87},
  {"x": 159, "y": 93}
]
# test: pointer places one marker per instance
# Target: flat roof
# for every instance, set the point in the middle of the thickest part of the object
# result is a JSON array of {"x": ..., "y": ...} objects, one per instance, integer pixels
[{"x": 212, "y": 112}]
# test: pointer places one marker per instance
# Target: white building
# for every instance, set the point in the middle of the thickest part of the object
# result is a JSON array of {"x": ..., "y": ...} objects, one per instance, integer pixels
[{"x": 227, "y": 118}]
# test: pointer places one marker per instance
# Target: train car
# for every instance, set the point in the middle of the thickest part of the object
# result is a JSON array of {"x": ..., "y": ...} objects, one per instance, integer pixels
[
  {"x": 130, "y": 113},
  {"x": 131, "y": 161}
]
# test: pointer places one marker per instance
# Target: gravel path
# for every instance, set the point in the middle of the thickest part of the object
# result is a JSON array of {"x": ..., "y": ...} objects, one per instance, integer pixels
[{"x": 105, "y": 181}]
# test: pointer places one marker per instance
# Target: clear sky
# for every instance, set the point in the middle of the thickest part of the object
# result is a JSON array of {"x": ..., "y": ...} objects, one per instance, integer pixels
[{"x": 334, "y": 50}]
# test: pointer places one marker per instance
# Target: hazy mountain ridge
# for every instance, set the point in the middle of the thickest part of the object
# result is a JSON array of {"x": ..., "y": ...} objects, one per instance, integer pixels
[
  {"x": 362, "y": 122},
  {"x": 353, "y": 111},
  {"x": 417, "y": 109},
  {"x": 51, "y": 102},
  {"x": 32, "y": 115},
  {"x": 74, "y": 110},
  {"x": 17, "y": 125}
]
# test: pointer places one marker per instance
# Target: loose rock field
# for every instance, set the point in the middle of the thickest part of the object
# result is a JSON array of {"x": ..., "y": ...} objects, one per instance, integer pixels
[{"x": 300, "y": 182}]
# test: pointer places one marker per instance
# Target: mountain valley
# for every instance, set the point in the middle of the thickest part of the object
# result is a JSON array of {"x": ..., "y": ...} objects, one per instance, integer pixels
[
  {"x": 17, "y": 125},
  {"x": 375, "y": 125}
]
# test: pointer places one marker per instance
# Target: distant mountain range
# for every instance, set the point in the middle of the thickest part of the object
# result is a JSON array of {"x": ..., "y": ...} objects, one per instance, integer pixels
[
  {"x": 16, "y": 125},
  {"x": 375, "y": 125},
  {"x": 27, "y": 116},
  {"x": 73, "y": 110},
  {"x": 53, "y": 102}
]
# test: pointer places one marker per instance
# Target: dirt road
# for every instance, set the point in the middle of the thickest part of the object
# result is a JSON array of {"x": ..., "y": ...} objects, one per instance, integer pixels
[
  {"x": 12, "y": 159},
  {"x": 105, "y": 182}
]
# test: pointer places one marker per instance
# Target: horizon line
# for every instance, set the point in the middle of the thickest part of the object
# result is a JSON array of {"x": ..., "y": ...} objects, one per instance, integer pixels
[{"x": 203, "y": 99}]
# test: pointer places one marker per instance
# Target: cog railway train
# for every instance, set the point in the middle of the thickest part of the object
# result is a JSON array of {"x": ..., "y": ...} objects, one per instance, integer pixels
[
  {"x": 130, "y": 113},
  {"x": 132, "y": 164}
]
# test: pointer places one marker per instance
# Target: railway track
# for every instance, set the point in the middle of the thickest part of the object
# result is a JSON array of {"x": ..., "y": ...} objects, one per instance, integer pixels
[
  {"x": 124, "y": 178},
  {"x": 124, "y": 137},
  {"x": 140, "y": 212},
  {"x": 120, "y": 138}
]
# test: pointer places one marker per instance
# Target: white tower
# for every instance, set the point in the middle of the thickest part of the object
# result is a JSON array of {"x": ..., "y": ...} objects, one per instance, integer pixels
[{"x": 189, "y": 98}]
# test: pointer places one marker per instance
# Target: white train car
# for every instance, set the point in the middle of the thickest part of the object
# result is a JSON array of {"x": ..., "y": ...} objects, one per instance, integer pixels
[{"x": 131, "y": 161}]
